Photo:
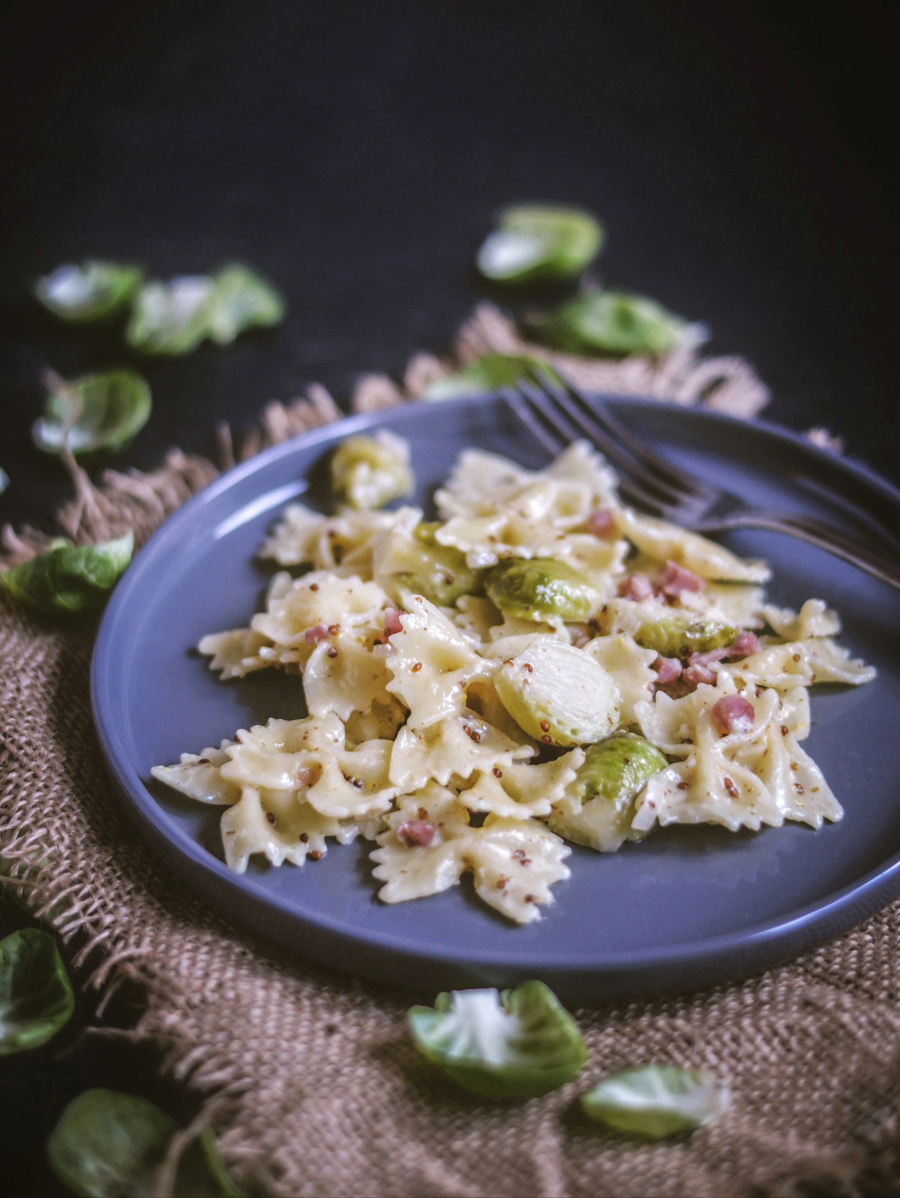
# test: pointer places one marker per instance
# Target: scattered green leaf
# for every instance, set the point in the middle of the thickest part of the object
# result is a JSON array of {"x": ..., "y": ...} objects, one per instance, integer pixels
[
  {"x": 656, "y": 1100},
  {"x": 98, "y": 411},
  {"x": 36, "y": 997},
  {"x": 90, "y": 291},
  {"x": 534, "y": 242},
  {"x": 69, "y": 579},
  {"x": 610, "y": 322},
  {"x": 517, "y": 1044},
  {"x": 112, "y": 1145},
  {"x": 487, "y": 374},
  {"x": 174, "y": 317}
]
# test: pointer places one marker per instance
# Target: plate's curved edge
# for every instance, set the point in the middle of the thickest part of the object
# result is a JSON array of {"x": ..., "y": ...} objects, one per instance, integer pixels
[{"x": 689, "y": 966}]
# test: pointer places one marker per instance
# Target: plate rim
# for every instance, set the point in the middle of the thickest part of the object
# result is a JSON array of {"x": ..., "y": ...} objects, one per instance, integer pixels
[{"x": 702, "y": 961}]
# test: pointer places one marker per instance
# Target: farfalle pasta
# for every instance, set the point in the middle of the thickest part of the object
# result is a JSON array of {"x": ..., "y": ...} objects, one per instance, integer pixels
[{"x": 541, "y": 664}]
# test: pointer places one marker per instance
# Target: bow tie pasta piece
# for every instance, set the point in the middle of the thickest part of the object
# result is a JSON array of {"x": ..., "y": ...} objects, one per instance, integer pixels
[
  {"x": 584, "y": 465},
  {"x": 558, "y": 694},
  {"x": 430, "y": 844},
  {"x": 522, "y": 790},
  {"x": 790, "y": 775},
  {"x": 318, "y": 600},
  {"x": 295, "y": 538},
  {"x": 457, "y": 746},
  {"x": 814, "y": 619},
  {"x": 344, "y": 676},
  {"x": 599, "y": 803},
  {"x": 431, "y": 664},
  {"x": 198, "y": 775},
  {"x": 629, "y": 665},
  {"x": 733, "y": 603},
  {"x": 236, "y": 653},
  {"x": 338, "y": 543},
  {"x": 382, "y": 722},
  {"x": 355, "y": 783},
  {"x": 601, "y": 561},
  {"x": 667, "y": 542},
  {"x": 407, "y": 559},
  {"x": 803, "y": 663},
  {"x": 279, "y": 826}
]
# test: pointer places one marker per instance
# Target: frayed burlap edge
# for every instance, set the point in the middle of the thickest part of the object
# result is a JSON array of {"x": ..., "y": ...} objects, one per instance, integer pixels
[{"x": 309, "y": 1079}]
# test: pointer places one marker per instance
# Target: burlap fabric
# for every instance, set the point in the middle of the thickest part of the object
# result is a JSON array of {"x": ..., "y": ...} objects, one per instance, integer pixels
[{"x": 313, "y": 1086}]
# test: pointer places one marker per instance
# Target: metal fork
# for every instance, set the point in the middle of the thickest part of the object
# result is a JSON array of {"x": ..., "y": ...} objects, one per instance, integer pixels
[{"x": 558, "y": 414}]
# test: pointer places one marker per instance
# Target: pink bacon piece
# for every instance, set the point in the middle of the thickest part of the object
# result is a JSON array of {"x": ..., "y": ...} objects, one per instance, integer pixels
[
  {"x": 636, "y": 587},
  {"x": 416, "y": 834},
  {"x": 392, "y": 623},
  {"x": 675, "y": 579},
  {"x": 667, "y": 670},
  {"x": 312, "y": 636},
  {"x": 733, "y": 713},
  {"x": 697, "y": 673},
  {"x": 601, "y": 523},
  {"x": 744, "y": 645}
]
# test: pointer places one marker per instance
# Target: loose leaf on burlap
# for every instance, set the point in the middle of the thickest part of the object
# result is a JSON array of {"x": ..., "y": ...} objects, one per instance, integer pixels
[
  {"x": 610, "y": 322},
  {"x": 112, "y": 1145},
  {"x": 487, "y": 374},
  {"x": 36, "y": 997},
  {"x": 517, "y": 1044},
  {"x": 95, "y": 289},
  {"x": 656, "y": 1101},
  {"x": 96, "y": 411},
  {"x": 540, "y": 242},
  {"x": 69, "y": 580}
]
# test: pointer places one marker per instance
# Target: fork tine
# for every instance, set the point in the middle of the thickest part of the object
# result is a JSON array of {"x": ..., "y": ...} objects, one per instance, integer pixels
[
  {"x": 600, "y": 419},
  {"x": 570, "y": 424},
  {"x": 553, "y": 444}
]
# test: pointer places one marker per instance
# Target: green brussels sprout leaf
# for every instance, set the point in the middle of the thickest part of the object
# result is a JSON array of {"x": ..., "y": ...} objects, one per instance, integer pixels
[
  {"x": 90, "y": 291},
  {"x": 69, "y": 580},
  {"x": 678, "y": 631},
  {"x": 518, "y": 1044},
  {"x": 609, "y": 322},
  {"x": 487, "y": 374},
  {"x": 656, "y": 1101},
  {"x": 96, "y": 411},
  {"x": 36, "y": 997},
  {"x": 369, "y": 472},
  {"x": 112, "y": 1145},
  {"x": 541, "y": 589},
  {"x": 535, "y": 242},
  {"x": 241, "y": 300},
  {"x": 174, "y": 317}
]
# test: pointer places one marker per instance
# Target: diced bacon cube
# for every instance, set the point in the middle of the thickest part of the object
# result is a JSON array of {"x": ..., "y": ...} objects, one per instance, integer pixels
[
  {"x": 601, "y": 523},
  {"x": 733, "y": 713},
  {"x": 416, "y": 833},
  {"x": 312, "y": 636},
  {"x": 675, "y": 579},
  {"x": 392, "y": 623},
  {"x": 694, "y": 675},
  {"x": 667, "y": 670},
  {"x": 637, "y": 587},
  {"x": 744, "y": 645},
  {"x": 704, "y": 659}
]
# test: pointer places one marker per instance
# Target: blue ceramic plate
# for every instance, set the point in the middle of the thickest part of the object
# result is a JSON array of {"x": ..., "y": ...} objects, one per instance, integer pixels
[{"x": 688, "y": 907}]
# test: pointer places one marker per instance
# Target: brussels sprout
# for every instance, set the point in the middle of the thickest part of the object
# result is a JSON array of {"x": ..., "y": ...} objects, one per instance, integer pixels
[
  {"x": 558, "y": 694},
  {"x": 536, "y": 241},
  {"x": 609, "y": 322},
  {"x": 518, "y": 1044},
  {"x": 439, "y": 572},
  {"x": 371, "y": 471},
  {"x": 490, "y": 373},
  {"x": 679, "y": 631},
  {"x": 90, "y": 291},
  {"x": 607, "y": 782},
  {"x": 656, "y": 1100},
  {"x": 36, "y": 997},
  {"x": 241, "y": 300},
  {"x": 542, "y": 590},
  {"x": 98, "y": 411},
  {"x": 69, "y": 579},
  {"x": 112, "y": 1145}
]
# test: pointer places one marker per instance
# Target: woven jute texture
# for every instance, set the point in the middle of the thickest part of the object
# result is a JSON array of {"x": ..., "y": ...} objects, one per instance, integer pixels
[{"x": 311, "y": 1081}]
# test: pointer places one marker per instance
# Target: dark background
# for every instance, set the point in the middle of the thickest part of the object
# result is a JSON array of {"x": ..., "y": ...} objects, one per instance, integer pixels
[{"x": 354, "y": 151}]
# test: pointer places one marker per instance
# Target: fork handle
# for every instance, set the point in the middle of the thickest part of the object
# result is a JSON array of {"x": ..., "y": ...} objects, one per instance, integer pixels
[{"x": 814, "y": 532}]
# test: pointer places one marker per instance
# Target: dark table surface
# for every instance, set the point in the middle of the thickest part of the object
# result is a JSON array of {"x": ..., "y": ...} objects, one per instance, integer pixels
[{"x": 355, "y": 152}]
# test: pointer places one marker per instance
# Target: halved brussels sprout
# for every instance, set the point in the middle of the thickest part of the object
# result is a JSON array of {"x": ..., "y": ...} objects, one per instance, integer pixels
[
  {"x": 537, "y": 241},
  {"x": 607, "y": 782},
  {"x": 518, "y": 1044},
  {"x": 656, "y": 1100},
  {"x": 97, "y": 411},
  {"x": 371, "y": 471},
  {"x": 679, "y": 631},
  {"x": 609, "y": 322},
  {"x": 558, "y": 694},
  {"x": 541, "y": 589},
  {"x": 90, "y": 291}
]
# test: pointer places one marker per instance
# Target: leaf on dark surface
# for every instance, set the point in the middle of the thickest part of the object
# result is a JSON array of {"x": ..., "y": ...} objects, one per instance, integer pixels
[{"x": 36, "y": 998}]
